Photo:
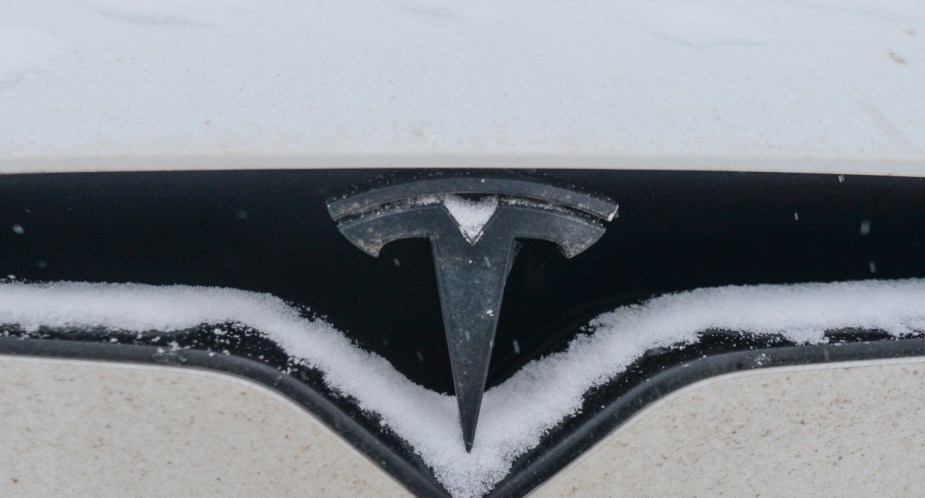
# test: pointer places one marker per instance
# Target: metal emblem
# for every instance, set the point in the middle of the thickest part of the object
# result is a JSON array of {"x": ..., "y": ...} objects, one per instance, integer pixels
[{"x": 474, "y": 224}]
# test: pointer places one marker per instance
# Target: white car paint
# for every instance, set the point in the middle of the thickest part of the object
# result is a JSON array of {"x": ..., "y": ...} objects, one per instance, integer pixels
[
  {"x": 840, "y": 429},
  {"x": 103, "y": 428}
]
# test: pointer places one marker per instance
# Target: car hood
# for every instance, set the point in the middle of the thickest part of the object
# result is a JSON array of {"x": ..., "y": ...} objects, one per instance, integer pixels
[{"x": 766, "y": 85}]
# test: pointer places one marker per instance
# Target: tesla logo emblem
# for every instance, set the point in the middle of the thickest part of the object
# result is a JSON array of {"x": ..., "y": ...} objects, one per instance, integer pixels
[{"x": 474, "y": 224}]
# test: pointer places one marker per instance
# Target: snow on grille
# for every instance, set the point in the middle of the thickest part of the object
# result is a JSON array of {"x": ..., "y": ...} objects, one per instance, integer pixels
[{"x": 515, "y": 414}]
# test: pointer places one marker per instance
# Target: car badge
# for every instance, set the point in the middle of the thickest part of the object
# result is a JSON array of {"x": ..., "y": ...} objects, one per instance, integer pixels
[{"x": 474, "y": 224}]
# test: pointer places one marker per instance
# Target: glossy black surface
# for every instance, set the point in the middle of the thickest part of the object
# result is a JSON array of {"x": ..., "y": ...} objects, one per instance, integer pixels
[{"x": 269, "y": 231}]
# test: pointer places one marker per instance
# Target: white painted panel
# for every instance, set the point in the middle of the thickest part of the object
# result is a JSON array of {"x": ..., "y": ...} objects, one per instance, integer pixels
[
  {"x": 853, "y": 429},
  {"x": 82, "y": 428}
]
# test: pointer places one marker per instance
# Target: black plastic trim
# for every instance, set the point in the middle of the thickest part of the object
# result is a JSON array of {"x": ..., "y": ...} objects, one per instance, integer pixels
[{"x": 270, "y": 231}]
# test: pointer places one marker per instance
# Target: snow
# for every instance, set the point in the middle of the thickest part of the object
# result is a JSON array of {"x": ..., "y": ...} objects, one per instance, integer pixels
[
  {"x": 515, "y": 414},
  {"x": 23, "y": 52},
  {"x": 170, "y": 12},
  {"x": 701, "y": 24},
  {"x": 633, "y": 84},
  {"x": 471, "y": 216}
]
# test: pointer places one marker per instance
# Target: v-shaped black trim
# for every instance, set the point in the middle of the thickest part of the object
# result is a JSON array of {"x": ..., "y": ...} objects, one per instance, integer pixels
[{"x": 651, "y": 378}]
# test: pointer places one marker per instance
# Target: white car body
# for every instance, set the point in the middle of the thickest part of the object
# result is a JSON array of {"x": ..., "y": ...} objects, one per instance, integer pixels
[{"x": 824, "y": 87}]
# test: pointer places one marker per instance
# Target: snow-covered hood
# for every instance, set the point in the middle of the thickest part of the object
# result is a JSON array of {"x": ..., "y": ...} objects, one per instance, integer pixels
[{"x": 775, "y": 85}]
